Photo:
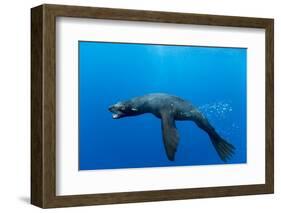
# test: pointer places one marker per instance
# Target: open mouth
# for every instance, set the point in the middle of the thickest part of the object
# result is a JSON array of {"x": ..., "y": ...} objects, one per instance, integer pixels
[
  {"x": 116, "y": 115},
  {"x": 115, "y": 112}
]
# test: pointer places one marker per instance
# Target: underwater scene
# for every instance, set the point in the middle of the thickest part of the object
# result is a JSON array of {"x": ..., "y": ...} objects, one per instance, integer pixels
[{"x": 154, "y": 105}]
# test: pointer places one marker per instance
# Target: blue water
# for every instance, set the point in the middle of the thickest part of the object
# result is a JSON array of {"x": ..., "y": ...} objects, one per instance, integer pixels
[{"x": 212, "y": 78}]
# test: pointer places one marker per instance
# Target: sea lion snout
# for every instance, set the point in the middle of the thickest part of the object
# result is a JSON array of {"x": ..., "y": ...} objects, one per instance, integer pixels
[
  {"x": 110, "y": 108},
  {"x": 122, "y": 109},
  {"x": 116, "y": 110}
]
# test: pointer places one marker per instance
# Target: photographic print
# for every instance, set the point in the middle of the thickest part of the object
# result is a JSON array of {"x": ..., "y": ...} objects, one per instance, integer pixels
[
  {"x": 155, "y": 105},
  {"x": 139, "y": 96}
]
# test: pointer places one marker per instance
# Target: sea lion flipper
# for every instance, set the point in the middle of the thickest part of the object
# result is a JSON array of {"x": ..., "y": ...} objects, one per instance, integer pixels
[
  {"x": 224, "y": 149},
  {"x": 170, "y": 134}
]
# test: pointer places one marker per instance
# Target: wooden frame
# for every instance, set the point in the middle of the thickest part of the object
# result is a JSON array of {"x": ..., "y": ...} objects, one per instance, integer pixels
[{"x": 43, "y": 98}]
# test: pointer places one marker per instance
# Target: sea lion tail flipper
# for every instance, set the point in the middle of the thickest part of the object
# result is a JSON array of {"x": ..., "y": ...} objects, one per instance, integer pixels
[
  {"x": 170, "y": 134},
  {"x": 224, "y": 149}
]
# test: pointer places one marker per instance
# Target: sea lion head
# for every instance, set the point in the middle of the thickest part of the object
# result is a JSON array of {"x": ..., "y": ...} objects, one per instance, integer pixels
[{"x": 122, "y": 109}]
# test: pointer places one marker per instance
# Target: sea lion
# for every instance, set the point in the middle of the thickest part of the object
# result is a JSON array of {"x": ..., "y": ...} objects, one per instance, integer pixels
[{"x": 170, "y": 108}]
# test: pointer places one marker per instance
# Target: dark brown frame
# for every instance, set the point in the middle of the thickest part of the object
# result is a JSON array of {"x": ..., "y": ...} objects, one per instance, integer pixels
[{"x": 43, "y": 105}]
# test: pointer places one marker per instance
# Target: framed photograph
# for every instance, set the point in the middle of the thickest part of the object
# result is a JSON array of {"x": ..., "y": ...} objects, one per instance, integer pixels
[{"x": 135, "y": 106}]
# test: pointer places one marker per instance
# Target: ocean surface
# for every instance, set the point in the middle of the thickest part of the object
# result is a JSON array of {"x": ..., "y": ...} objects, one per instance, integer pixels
[{"x": 212, "y": 78}]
